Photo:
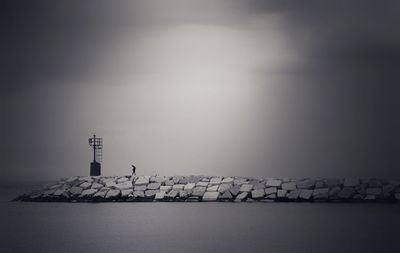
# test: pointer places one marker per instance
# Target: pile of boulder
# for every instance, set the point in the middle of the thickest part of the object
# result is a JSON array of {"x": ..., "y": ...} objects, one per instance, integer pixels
[{"x": 205, "y": 188}]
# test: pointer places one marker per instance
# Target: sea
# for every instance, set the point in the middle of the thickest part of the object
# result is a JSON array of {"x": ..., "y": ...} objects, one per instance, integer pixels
[{"x": 196, "y": 227}]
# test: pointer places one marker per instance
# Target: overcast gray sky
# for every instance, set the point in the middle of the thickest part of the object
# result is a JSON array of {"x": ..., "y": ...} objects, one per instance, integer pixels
[{"x": 254, "y": 88}]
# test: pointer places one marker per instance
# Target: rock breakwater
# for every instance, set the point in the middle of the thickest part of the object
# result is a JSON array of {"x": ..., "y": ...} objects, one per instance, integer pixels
[{"x": 206, "y": 188}]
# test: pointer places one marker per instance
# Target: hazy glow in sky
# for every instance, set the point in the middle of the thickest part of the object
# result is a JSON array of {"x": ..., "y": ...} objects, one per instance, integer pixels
[
  {"x": 220, "y": 87},
  {"x": 185, "y": 96}
]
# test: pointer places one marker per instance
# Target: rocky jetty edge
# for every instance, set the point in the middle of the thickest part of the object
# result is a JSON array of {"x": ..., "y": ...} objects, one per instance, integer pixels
[{"x": 214, "y": 188}]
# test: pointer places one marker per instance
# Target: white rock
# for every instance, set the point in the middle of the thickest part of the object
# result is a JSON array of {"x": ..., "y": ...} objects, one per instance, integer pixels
[
  {"x": 138, "y": 194},
  {"x": 125, "y": 185},
  {"x": 160, "y": 195},
  {"x": 165, "y": 188},
  {"x": 273, "y": 183},
  {"x": 239, "y": 181},
  {"x": 257, "y": 194},
  {"x": 169, "y": 182},
  {"x": 227, "y": 180},
  {"x": 88, "y": 193},
  {"x": 210, "y": 196},
  {"x": 183, "y": 194},
  {"x": 140, "y": 187},
  {"x": 101, "y": 193},
  {"x": 173, "y": 194},
  {"x": 246, "y": 187},
  {"x": 178, "y": 187},
  {"x": 96, "y": 186},
  {"x": 271, "y": 190},
  {"x": 87, "y": 179},
  {"x": 85, "y": 185},
  {"x": 213, "y": 188},
  {"x": 351, "y": 182},
  {"x": 110, "y": 184},
  {"x": 397, "y": 196},
  {"x": 150, "y": 193},
  {"x": 153, "y": 186},
  {"x": 122, "y": 179},
  {"x": 160, "y": 179},
  {"x": 202, "y": 184},
  {"x": 189, "y": 186},
  {"x": 142, "y": 181},
  {"x": 126, "y": 193},
  {"x": 215, "y": 180}
]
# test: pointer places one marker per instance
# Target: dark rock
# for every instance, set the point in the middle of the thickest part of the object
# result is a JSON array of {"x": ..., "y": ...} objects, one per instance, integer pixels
[
  {"x": 242, "y": 196},
  {"x": 113, "y": 194},
  {"x": 226, "y": 196},
  {"x": 346, "y": 193},
  {"x": 334, "y": 191},
  {"x": 294, "y": 194},
  {"x": 75, "y": 191},
  {"x": 306, "y": 184},
  {"x": 199, "y": 191},
  {"x": 374, "y": 191},
  {"x": 257, "y": 194},
  {"x": 319, "y": 185},
  {"x": 289, "y": 186},
  {"x": 306, "y": 194},
  {"x": 273, "y": 183},
  {"x": 174, "y": 193},
  {"x": 183, "y": 194},
  {"x": 271, "y": 190},
  {"x": 281, "y": 194},
  {"x": 351, "y": 182},
  {"x": 246, "y": 187},
  {"x": 224, "y": 187},
  {"x": 234, "y": 190}
]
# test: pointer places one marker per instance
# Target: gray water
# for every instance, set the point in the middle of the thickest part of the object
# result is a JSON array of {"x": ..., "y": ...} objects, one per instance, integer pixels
[{"x": 197, "y": 227}]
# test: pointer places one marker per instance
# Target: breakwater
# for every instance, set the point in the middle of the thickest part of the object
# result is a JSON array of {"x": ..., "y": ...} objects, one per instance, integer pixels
[{"x": 209, "y": 188}]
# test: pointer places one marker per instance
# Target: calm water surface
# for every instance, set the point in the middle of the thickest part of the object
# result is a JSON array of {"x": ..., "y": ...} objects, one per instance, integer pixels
[{"x": 197, "y": 227}]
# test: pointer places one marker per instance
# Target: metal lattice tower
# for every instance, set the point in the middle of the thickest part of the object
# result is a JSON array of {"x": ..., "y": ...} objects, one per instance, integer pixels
[{"x": 97, "y": 145}]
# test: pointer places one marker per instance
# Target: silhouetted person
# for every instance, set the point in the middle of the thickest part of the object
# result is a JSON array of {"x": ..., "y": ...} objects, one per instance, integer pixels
[{"x": 133, "y": 170}]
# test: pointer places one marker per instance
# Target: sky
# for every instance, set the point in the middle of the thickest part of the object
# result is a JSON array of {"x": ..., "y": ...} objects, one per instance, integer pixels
[{"x": 247, "y": 88}]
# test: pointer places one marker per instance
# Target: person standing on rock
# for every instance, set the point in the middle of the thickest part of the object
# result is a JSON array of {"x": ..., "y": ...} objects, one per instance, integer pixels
[{"x": 133, "y": 170}]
